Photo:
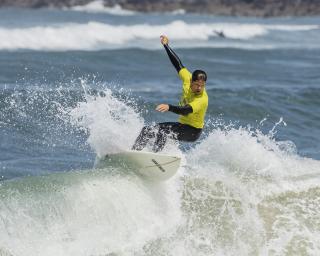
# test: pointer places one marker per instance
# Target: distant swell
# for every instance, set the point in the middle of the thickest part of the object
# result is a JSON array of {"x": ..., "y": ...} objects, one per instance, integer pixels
[
  {"x": 95, "y": 35},
  {"x": 98, "y": 7}
]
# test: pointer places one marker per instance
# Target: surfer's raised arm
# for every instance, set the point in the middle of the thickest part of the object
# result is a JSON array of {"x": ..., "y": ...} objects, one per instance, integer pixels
[{"x": 176, "y": 62}]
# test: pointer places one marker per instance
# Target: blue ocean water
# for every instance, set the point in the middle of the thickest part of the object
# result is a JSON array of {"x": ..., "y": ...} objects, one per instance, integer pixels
[{"x": 79, "y": 82}]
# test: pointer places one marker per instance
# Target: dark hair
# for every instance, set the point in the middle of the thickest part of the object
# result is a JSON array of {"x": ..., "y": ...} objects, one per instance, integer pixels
[{"x": 199, "y": 75}]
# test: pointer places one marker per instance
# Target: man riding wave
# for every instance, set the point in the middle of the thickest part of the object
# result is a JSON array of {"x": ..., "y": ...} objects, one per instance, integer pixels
[{"x": 191, "y": 110}]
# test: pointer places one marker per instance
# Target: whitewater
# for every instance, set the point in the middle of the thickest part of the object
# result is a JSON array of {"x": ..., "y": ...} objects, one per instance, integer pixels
[
  {"x": 123, "y": 36},
  {"x": 70, "y": 92}
]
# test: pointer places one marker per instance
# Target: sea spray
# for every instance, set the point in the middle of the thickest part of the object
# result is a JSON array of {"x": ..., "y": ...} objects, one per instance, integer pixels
[
  {"x": 112, "y": 125},
  {"x": 239, "y": 193},
  {"x": 85, "y": 213},
  {"x": 244, "y": 195}
]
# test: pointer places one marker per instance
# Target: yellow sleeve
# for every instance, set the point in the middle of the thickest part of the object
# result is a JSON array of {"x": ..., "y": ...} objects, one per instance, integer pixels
[{"x": 185, "y": 75}]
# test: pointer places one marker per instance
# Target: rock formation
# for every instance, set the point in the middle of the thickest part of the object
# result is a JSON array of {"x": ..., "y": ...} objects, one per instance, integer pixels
[{"x": 264, "y": 8}]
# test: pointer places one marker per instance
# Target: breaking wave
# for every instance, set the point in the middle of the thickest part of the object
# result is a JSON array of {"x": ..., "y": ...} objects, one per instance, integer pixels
[{"x": 96, "y": 35}]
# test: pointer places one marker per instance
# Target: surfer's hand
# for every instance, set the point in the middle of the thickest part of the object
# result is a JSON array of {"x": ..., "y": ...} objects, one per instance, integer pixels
[
  {"x": 164, "y": 39},
  {"x": 162, "y": 107}
]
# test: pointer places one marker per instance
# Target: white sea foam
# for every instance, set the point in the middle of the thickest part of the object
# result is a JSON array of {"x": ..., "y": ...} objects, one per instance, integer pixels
[
  {"x": 241, "y": 192},
  {"x": 85, "y": 213},
  {"x": 292, "y": 27},
  {"x": 178, "y": 12},
  {"x": 256, "y": 197},
  {"x": 254, "y": 160},
  {"x": 111, "y": 124},
  {"x": 232, "y": 181},
  {"x": 90, "y": 212},
  {"x": 96, "y": 35},
  {"x": 98, "y": 7}
]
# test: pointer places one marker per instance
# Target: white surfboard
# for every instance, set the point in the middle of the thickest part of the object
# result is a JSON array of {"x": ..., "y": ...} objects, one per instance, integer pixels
[{"x": 155, "y": 166}]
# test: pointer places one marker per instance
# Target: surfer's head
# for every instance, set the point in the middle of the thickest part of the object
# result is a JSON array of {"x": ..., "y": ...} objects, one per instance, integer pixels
[{"x": 198, "y": 81}]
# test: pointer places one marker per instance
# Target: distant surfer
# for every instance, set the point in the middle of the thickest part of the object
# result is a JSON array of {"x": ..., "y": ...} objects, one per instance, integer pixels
[
  {"x": 192, "y": 108},
  {"x": 220, "y": 33}
]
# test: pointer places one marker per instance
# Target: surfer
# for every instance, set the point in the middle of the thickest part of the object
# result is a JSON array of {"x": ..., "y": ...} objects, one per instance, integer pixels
[
  {"x": 220, "y": 33},
  {"x": 192, "y": 108}
]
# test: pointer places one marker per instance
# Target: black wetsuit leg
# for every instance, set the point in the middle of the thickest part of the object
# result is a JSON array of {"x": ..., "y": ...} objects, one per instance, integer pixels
[
  {"x": 147, "y": 133},
  {"x": 162, "y": 131}
]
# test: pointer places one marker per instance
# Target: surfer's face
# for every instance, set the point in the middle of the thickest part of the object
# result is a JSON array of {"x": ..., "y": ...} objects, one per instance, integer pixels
[{"x": 197, "y": 86}]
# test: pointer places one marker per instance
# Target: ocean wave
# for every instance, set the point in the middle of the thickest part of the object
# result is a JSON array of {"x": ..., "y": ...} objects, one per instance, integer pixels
[
  {"x": 96, "y": 35},
  {"x": 293, "y": 27},
  {"x": 238, "y": 191},
  {"x": 244, "y": 194},
  {"x": 248, "y": 183},
  {"x": 98, "y": 7},
  {"x": 254, "y": 157},
  {"x": 64, "y": 213}
]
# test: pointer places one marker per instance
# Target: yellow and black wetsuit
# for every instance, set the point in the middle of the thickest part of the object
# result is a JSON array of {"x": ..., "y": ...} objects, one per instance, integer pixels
[{"x": 192, "y": 109}]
